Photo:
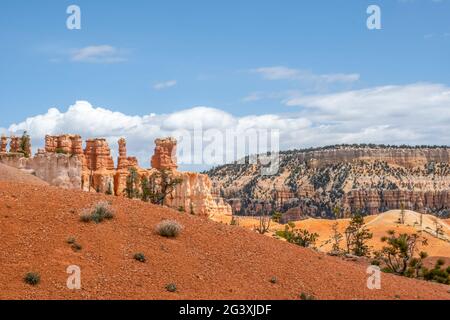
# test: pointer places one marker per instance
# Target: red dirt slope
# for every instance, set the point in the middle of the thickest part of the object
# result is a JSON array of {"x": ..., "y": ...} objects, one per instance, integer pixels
[{"x": 207, "y": 261}]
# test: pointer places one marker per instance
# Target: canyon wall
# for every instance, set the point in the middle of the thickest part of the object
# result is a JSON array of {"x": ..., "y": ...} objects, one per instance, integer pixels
[{"x": 339, "y": 181}]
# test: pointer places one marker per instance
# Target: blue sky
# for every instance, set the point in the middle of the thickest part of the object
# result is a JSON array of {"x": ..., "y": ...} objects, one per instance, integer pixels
[{"x": 244, "y": 58}]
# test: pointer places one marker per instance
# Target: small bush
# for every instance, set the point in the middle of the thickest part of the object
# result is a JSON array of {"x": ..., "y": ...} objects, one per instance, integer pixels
[
  {"x": 437, "y": 274},
  {"x": 140, "y": 257},
  {"x": 171, "y": 287},
  {"x": 274, "y": 280},
  {"x": 300, "y": 237},
  {"x": 375, "y": 262},
  {"x": 305, "y": 296},
  {"x": 76, "y": 247},
  {"x": 169, "y": 229},
  {"x": 32, "y": 278},
  {"x": 100, "y": 212}
]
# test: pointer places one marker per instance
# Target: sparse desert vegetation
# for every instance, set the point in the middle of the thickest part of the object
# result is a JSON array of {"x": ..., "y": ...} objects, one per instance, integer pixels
[
  {"x": 140, "y": 257},
  {"x": 32, "y": 278},
  {"x": 300, "y": 237},
  {"x": 74, "y": 244},
  {"x": 306, "y": 296},
  {"x": 169, "y": 228},
  {"x": 98, "y": 213},
  {"x": 171, "y": 287}
]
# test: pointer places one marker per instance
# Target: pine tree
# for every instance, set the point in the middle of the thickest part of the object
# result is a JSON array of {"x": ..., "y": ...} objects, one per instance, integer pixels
[{"x": 356, "y": 236}]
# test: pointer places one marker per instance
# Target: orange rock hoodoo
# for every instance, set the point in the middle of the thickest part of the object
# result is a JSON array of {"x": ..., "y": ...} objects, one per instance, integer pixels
[
  {"x": 165, "y": 154},
  {"x": 68, "y": 144},
  {"x": 3, "y": 144},
  {"x": 98, "y": 155},
  {"x": 124, "y": 162},
  {"x": 14, "y": 145}
]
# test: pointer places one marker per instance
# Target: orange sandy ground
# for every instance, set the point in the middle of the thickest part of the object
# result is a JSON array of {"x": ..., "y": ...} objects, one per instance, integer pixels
[{"x": 209, "y": 260}]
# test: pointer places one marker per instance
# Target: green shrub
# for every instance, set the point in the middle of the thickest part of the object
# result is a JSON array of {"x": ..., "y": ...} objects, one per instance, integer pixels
[
  {"x": 281, "y": 234},
  {"x": 437, "y": 274},
  {"x": 169, "y": 229},
  {"x": 375, "y": 263},
  {"x": 32, "y": 278},
  {"x": 305, "y": 296},
  {"x": 140, "y": 257},
  {"x": 357, "y": 236},
  {"x": 171, "y": 287},
  {"x": 399, "y": 255},
  {"x": 100, "y": 212},
  {"x": 276, "y": 217},
  {"x": 60, "y": 151},
  {"x": 274, "y": 280},
  {"x": 299, "y": 237},
  {"x": 76, "y": 247}
]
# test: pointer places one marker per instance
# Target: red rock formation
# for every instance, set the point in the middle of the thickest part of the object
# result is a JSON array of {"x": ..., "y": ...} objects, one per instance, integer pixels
[
  {"x": 63, "y": 163},
  {"x": 98, "y": 155},
  {"x": 98, "y": 167},
  {"x": 165, "y": 154},
  {"x": 14, "y": 145},
  {"x": 122, "y": 148},
  {"x": 194, "y": 195},
  {"x": 124, "y": 162},
  {"x": 3, "y": 144},
  {"x": 68, "y": 144}
]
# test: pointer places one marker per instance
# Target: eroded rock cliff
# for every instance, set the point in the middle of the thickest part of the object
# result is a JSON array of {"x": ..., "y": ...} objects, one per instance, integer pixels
[{"x": 340, "y": 180}]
